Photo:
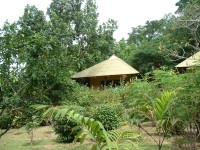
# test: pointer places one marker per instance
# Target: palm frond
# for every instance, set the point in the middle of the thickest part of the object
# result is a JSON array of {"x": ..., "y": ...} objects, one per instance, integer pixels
[{"x": 124, "y": 139}]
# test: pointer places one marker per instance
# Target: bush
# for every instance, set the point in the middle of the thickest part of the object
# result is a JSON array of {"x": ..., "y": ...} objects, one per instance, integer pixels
[
  {"x": 65, "y": 127},
  {"x": 87, "y": 97},
  {"x": 139, "y": 93},
  {"x": 5, "y": 120},
  {"x": 108, "y": 115}
]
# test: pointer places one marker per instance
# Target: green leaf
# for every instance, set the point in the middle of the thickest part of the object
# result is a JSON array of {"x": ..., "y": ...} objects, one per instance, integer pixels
[
  {"x": 94, "y": 147},
  {"x": 78, "y": 135},
  {"x": 83, "y": 138}
]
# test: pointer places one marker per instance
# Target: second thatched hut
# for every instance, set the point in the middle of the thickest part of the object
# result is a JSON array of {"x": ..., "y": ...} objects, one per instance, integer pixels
[{"x": 193, "y": 60}]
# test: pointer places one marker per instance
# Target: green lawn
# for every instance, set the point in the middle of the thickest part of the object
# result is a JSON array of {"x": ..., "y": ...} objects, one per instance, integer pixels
[
  {"x": 45, "y": 139},
  {"x": 153, "y": 147}
]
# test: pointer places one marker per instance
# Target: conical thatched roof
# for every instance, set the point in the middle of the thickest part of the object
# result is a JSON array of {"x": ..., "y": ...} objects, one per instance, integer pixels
[
  {"x": 111, "y": 66},
  {"x": 191, "y": 61}
]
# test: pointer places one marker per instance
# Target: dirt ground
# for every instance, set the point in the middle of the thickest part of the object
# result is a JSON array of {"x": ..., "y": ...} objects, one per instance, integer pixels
[
  {"x": 46, "y": 139},
  {"x": 172, "y": 140},
  {"x": 151, "y": 130}
]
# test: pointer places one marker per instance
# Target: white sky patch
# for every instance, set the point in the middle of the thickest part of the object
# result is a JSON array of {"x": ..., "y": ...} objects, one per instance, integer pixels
[
  {"x": 11, "y": 10},
  {"x": 131, "y": 13},
  {"x": 127, "y": 13}
]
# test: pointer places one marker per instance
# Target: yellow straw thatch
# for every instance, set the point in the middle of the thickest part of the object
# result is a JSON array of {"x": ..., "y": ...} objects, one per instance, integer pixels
[
  {"x": 191, "y": 61},
  {"x": 111, "y": 66}
]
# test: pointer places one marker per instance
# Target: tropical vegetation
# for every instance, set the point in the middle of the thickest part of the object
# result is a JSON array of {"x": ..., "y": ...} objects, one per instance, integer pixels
[{"x": 38, "y": 56}]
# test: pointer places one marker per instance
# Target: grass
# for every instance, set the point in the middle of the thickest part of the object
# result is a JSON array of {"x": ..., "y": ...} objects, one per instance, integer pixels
[
  {"x": 153, "y": 147},
  {"x": 44, "y": 139}
]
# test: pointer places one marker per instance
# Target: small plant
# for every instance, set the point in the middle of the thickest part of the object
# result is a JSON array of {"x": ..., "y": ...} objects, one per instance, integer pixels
[
  {"x": 164, "y": 122},
  {"x": 30, "y": 127}
]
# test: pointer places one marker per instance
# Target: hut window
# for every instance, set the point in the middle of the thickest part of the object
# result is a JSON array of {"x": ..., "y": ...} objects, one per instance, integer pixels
[
  {"x": 84, "y": 81},
  {"x": 112, "y": 83}
]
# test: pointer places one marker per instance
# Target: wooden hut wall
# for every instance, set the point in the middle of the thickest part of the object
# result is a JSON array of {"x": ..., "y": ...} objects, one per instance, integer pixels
[{"x": 96, "y": 82}]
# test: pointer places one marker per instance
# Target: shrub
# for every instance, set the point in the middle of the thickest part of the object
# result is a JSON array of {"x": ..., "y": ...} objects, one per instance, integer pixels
[
  {"x": 138, "y": 93},
  {"x": 108, "y": 115},
  {"x": 87, "y": 97},
  {"x": 65, "y": 127},
  {"x": 5, "y": 120}
]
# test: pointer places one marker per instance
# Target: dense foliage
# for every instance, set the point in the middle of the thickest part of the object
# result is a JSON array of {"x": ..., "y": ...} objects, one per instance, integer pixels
[
  {"x": 107, "y": 115},
  {"x": 39, "y": 55},
  {"x": 66, "y": 129}
]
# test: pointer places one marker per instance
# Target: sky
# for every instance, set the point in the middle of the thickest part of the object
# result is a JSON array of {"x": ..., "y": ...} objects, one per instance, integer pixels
[{"x": 127, "y": 13}]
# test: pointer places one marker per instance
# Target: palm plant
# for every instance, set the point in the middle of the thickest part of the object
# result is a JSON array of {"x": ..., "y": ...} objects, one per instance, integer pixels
[
  {"x": 94, "y": 130},
  {"x": 159, "y": 112}
]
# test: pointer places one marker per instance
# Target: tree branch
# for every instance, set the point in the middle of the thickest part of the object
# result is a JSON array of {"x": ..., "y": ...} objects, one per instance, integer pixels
[
  {"x": 173, "y": 53},
  {"x": 6, "y": 130},
  {"x": 139, "y": 125}
]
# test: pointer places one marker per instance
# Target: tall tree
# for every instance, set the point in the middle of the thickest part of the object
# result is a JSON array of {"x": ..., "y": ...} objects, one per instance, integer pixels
[
  {"x": 190, "y": 20},
  {"x": 182, "y": 3},
  {"x": 143, "y": 44},
  {"x": 38, "y": 56},
  {"x": 48, "y": 52},
  {"x": 184, "y": 39},
  {"x": 88, "y": 42}
]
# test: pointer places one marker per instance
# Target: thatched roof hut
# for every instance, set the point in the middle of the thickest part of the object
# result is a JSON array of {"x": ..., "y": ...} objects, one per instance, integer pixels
[
  {"x": 193, "y": 60},
  {"x": 106, "y": 72}
]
